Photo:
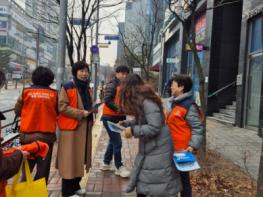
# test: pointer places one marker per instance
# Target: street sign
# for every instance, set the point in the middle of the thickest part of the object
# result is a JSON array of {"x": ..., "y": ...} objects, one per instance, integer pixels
[
  {"x": 170, "y": 60},
  {"x": 94, "y": 49},
  {"x": 111, "y": 37},
  {"x": 103, "y": 45},
  {"x": 78, "y": 21}
]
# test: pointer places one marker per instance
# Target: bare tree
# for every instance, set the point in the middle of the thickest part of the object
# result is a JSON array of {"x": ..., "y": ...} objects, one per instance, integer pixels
[
  {"x": 138, "y": 40},
  {"x": 81, "y": 14},
  {"x": 77, "y": 39}
]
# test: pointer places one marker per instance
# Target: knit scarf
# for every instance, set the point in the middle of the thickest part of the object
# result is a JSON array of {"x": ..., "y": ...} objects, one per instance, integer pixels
[{"x": 82, "y": 87}]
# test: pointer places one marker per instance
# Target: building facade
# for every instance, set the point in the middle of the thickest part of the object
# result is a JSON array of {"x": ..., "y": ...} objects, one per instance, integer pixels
[
  {"x": 142, "y": 18},
  {"x": 250, "y": 70},
  {"x": 230, "y": 38},
  {"x": 17, "y": 41},
  {"x": 24, "y": 43}
]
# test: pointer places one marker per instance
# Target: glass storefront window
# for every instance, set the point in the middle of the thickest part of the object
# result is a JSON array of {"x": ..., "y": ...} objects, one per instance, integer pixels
[
  {"x": 256, "y": 35},
  {"x": 254, "y": 90},
  {"x": 255, "y": 72}
]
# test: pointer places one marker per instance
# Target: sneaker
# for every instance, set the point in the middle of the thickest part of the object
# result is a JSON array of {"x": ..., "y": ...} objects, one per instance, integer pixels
[
  {"x": 106, "y": 167},
  {"x": 122, "y": 172},
  {"x": 75, "y": 195},
  {"x": 81, "y": 192}
]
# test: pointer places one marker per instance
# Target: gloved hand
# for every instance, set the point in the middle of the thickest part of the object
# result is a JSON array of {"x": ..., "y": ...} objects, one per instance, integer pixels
[{"x": 127, "y": 132}]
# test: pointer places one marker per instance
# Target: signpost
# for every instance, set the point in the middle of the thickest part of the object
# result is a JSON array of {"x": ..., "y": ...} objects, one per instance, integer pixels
[
  {"x": 111, "y": 37},
  {"x": 94, "y": 49},
  {"x": 103, "y": 45},
  {"x": 78, "y": 22}
]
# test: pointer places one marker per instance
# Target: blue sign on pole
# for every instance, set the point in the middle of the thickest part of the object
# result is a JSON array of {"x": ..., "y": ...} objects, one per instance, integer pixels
[
  {"x": 111, "y": 37},
  {"x": 78, "y": 22},
  {"x": 94, "y": 49}
]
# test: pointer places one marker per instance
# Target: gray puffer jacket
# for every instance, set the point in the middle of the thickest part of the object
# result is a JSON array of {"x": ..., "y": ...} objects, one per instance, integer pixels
[{"x": 154, "y": 172}]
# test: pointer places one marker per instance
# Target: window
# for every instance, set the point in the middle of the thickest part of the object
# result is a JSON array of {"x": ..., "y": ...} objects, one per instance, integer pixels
[
  {"x": 2, "y": 40},
  {"x": 256, "y": 35}
]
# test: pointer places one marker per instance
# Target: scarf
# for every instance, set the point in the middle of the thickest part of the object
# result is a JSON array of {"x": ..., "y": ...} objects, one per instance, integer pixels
[{"x": 82, "y": 87}]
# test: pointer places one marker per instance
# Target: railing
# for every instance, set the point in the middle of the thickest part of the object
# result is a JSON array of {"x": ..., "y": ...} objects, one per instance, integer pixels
[
  {"x": 222, "y": 89},
  {"x": 13, "y": 134}
]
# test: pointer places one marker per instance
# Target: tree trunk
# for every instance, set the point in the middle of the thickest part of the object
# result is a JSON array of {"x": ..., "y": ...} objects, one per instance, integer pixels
[{"x": 260, "y": 175}]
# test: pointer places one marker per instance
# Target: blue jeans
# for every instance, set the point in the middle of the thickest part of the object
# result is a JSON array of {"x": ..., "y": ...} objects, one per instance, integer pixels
[{"x": 114, "y": 146}]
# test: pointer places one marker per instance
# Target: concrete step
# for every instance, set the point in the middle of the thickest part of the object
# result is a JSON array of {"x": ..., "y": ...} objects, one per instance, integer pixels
[
  {"x": 228, "y": 111},
  {"x": 227, "y": 122},
  {"x": 224, "y": 116},
  {"x": 232, "y": 107}
]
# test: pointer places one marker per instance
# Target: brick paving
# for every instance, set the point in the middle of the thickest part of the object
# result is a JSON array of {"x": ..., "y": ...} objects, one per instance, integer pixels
[
  {"x": 106, "y": 183},
  {"x": 97, "y": 182}
]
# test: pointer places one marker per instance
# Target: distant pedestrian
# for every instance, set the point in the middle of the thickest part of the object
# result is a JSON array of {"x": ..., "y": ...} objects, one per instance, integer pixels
[
  {"x": 154, "y": 173},
  {"x": 184, "y": 121},
  {"x": 37, "y": 107},
  {"x": 101, "y": 91},
  {"x": 110, "y": 112},
  {"x": 9, "y": 165},
  {"x": 75, "y": 123}
]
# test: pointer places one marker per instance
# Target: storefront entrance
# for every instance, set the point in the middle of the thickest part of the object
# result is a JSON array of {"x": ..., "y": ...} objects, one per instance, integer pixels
[{"x": 255, "y": 73}]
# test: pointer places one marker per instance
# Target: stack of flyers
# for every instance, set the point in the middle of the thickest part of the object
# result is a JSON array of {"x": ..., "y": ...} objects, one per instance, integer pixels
[
  {"x": 185, "y": 161},
  {"x": 115, "y": 127}
]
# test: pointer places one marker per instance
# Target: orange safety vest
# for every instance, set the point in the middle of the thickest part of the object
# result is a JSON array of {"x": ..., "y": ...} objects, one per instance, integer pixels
[
  {"x": 181, "y": 132},
  {"x": 108, "y": 111},
  {"x": 66, "y": 122},
  {"x": 39, "y": 110}
]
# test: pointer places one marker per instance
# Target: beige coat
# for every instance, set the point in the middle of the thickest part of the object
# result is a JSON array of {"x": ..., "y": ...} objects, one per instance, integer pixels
[{"x": 74, "y": 147}]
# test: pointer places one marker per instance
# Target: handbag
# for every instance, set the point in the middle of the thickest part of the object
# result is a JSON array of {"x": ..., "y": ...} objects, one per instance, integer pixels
[{"x": 29, "y": 187}]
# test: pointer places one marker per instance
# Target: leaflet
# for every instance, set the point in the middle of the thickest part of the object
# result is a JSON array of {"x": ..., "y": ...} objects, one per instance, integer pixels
[
  {"x": 115, "y": 127},
  {"x": 185, "y": 161}
]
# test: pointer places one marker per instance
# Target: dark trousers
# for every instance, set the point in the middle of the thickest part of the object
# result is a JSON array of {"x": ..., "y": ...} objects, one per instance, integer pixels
[
  {"x": 114, "y": 146},
  {"x": 141, "y": 195},
  {"x": 187, "y": 189},
  {"x": 43, "y": 166},
  {"x": 70, "y": 186}
]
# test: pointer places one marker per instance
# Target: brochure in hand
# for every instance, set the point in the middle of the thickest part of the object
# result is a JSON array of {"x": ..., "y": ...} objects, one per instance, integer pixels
[
  {"x": 185, "y": 161},
  {"x": 115, "y": 127}
]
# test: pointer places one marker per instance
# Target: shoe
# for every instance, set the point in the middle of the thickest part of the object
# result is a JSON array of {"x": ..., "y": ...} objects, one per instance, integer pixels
[
  {"x": 106, "y": 167},
  {"x": 81, "y": 192},
  {"x": 75, "y": 195},
  {"x": 122, "y": 172}
]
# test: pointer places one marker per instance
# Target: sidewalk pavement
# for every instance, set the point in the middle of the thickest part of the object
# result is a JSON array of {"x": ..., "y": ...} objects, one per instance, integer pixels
[
  {"x": 239, "y": 145},
  {"x": 232, "y": 142}
]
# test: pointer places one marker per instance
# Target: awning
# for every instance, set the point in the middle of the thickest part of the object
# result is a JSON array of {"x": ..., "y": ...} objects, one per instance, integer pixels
[{"x": 155, "y": 68}]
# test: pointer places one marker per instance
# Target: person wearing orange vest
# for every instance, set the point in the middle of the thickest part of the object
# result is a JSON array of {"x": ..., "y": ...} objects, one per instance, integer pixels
[
  {"x": 184, "y": 121},
  {"x": 37, "y": 107},
  {"x": 75, "y": 122},
  {"x": 110, "y": 112}
]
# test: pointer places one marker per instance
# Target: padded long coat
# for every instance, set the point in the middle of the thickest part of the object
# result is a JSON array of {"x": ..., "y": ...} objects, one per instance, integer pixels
[
  {"x": 154, "y": 172},
  {"x": 74, "y": 147}
]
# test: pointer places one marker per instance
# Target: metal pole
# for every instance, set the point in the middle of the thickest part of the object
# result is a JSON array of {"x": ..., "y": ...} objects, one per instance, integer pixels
[
  {"x": 37, "y": 47},
  {"x": 97, "y": 64},
  {"x": 62, "y": 43}
]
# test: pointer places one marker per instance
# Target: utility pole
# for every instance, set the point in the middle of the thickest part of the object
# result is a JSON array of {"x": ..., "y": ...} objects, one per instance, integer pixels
[
  {"x": 91, "y": 55},
  {"x": 37, "y": 47},
  {"x": 97, "y": 59},
  {"x": 62, "y": 43}
]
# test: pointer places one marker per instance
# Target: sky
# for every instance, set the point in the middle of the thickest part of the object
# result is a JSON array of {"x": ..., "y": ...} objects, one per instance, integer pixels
[{"x": 110, "y": 26}]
